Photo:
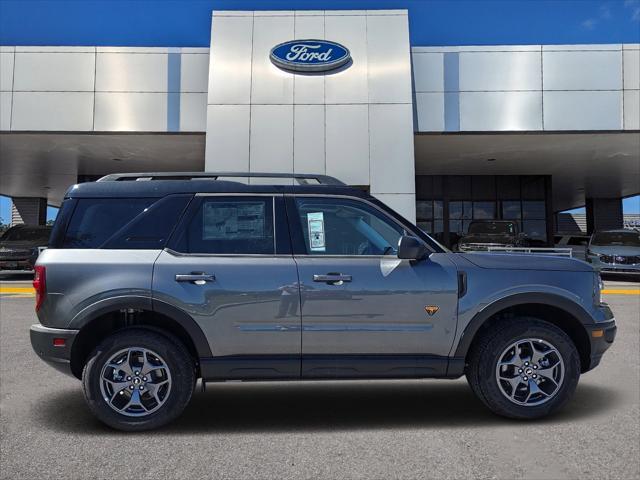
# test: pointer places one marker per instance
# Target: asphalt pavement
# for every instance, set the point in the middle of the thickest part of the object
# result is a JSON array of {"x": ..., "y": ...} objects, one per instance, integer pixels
[{"x": 383, "y": 429}]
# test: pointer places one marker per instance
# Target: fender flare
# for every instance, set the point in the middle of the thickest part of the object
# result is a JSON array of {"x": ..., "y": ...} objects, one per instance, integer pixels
[
  {"x": 550, "y": 299},
  {"x": 181, "y": 317}
]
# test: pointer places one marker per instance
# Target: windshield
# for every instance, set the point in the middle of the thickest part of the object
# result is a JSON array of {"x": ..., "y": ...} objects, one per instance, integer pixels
[
  {"x": 26, "y": 234},
  {"x": 497, "y": 228},
  {"x": 627, "y": 239}
]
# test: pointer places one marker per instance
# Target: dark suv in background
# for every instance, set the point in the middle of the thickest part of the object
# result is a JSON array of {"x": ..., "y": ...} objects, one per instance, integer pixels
[
  {"x": 21, "y": 245},
  {"x": 483, "y": 234}
]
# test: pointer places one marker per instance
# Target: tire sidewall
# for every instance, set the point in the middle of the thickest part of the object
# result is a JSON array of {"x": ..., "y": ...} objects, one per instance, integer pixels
[
  {"x": 528, "y": 328},
  {"x": 177, "y": 360}
]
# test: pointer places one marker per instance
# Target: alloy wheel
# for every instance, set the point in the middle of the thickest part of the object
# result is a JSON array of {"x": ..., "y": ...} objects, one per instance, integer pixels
[{"x": 530, "y": 372}]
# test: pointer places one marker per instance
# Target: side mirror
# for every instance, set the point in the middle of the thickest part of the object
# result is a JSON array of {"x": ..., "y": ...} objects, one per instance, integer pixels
[{"x": 410, "y": 248}]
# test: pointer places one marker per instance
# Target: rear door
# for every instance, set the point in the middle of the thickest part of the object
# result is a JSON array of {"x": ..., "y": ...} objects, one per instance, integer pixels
[{"x": 230, "y": 267}]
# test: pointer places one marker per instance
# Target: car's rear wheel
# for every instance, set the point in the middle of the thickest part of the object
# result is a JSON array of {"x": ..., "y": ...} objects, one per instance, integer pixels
[
  {"x": 523, "y": 368},
  {"x": 138, "y": 379}
]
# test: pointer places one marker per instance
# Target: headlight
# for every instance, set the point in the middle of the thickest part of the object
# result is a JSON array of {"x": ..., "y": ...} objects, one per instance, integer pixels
[
  {"x": 598, "y": 286},
  {"x": 589, "y": 252}
]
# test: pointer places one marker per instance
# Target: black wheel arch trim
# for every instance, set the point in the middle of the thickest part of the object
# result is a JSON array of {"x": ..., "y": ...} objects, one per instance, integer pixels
[
  {"x": 181, "y": 317},
  {"x": 514, "y": 300}
]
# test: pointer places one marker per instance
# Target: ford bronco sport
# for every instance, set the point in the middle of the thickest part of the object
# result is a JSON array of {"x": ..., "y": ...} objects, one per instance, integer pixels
[{"x": 152, "y": 281}]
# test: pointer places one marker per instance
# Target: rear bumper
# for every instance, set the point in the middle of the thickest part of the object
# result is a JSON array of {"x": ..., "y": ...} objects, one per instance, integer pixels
[
  {"x": 601, "y": 336},
  {"x": 59, "y": 357}
]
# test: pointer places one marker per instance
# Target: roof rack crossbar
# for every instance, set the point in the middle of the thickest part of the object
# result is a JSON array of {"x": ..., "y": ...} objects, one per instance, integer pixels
[{"x": 301, "y": 178}]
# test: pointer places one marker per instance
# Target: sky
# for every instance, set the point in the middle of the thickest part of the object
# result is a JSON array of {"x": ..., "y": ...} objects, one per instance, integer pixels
[{"x": 432, "y": 22}]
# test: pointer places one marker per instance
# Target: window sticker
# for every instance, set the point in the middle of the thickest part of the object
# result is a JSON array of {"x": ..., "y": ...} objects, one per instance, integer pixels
[
  {"x": 233, "y": 220},
  {"x": 315, "y": 223}
]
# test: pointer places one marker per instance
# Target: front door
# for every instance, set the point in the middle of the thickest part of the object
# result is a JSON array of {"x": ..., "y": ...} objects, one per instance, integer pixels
[
  {"x": 366, "y": 313},
  {"x": 230, "y": 268}
]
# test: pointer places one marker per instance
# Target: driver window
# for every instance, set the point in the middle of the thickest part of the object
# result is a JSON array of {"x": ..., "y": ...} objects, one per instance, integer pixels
[{"x": 340, "y": 226}]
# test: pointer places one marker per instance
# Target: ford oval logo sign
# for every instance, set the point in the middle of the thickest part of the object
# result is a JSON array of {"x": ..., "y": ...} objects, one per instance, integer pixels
[{"x": 310, "y": 55}]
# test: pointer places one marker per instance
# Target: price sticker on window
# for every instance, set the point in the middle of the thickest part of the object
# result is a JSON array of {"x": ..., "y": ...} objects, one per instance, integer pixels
[{"x": 315, "y": 223}]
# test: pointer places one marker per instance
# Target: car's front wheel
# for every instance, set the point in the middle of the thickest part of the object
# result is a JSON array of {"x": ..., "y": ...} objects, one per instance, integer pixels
[
  {"x": 524, "y": 368},
  {"x": 138, "y": 379}
]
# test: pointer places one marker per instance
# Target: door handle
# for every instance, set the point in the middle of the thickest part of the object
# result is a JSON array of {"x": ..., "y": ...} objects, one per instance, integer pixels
[
  {"x": 195, "y": 277},
  {"x": 332, "y": 278}
]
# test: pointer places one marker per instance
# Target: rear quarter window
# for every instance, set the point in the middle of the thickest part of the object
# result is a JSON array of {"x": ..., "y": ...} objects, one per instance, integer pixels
[
  {"x": 123, "y": 223},
  {"x": 95, "y": 220}
]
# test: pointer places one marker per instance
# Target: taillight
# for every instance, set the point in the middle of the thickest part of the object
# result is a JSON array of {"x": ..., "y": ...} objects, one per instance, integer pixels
[{"x": 40, "y": 285}]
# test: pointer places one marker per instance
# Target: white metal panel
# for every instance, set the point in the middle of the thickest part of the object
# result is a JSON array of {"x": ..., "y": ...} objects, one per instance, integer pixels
[
  {"x": 121, "y": 49},
  {"x": 631, "y": 64},
  {"x": 54, "y": 72},
  {"x": 347, "y": 143},
  {"x": 308, "y": 139},
  {"x": 269, "y": 84},
  {"x": 55, "y": 49},
  {"x": 227, "y": 146},
  {"x": 389, "y": 68},
  {"x": 230, "y": 64},
  {"x": 392, "y": 162},
  {"x": 430, "y": 112},
  {"x": 500, "y": 111},
  {"x": 583, "y": 110},
  {"x": 308, "y": 13},
  {"x": 57, "y": 111},
  {"x": 582, "y": 70},
  {"x": 583, "y": 47},
  {"x": 271, "y": 143},
  {"x": 193, "y": 112},
  {"x": 131, "y": 72},
  {"x": 403, "y": 203},
  {"x": 632, "y": 109},
  {"x": 131, "y": 112},
  {"x": 194, "y": 72},
  {"x": 5, "y": 111},
  {"x": 6, "y": 71},
  {"x": 349, "y": 85},
  {"x": 479, "y": 48},
  {"x": 495, "y": 71},
  {"x": 428, "y": 72},
  {"x": 308, "y": 89}
]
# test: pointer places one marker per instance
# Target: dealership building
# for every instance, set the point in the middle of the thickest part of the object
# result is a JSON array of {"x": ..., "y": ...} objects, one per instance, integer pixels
[{"x": 444, "y": 135}]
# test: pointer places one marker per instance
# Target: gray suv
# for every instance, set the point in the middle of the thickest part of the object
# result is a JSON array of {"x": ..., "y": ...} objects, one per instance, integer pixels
[{"x": 153, "y": 281}]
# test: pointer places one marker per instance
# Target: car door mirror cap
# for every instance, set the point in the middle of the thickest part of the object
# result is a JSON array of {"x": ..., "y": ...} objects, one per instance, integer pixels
[{"x": 410, "y": 248}]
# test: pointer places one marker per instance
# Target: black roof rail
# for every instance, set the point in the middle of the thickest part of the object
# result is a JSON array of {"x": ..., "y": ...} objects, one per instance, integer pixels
[{"x": 302, "y": 179}]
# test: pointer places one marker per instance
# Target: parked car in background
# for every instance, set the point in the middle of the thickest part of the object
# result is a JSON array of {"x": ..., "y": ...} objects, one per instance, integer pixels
[
  {"x": 577, "y": 244},
  {"x": 21, "y": 245},
  {"x": 615, "y": 251},
  {"x": 483, "y": 234}
]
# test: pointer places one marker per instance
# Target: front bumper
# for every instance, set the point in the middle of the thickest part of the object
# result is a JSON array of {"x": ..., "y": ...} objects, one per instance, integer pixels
[
  {"x": 601, "y": 337},
  {"x": 620, "y": 268},
  {"x": 59, "y": 357}
]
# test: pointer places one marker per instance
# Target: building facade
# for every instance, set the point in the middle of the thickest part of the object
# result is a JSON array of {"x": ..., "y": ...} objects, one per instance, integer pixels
[{"x": 444, "y": 135}]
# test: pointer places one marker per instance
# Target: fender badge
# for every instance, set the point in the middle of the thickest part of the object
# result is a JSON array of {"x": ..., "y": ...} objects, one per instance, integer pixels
[{"x": 431, "y": 309}]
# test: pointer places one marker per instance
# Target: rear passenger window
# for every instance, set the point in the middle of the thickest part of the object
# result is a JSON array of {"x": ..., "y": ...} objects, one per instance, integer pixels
[
  {"x": 95, "y": 220},
  {"x": 230, "y": 225}
]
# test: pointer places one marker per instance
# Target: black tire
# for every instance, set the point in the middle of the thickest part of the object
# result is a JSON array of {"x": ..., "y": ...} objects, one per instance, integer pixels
[
  {"x": 487, "y": 350},
  {"x": 177, "y": 359}
]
